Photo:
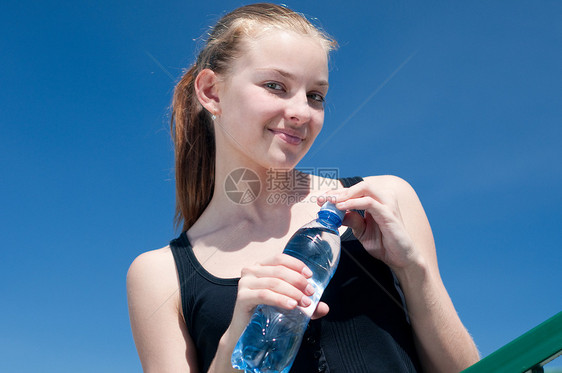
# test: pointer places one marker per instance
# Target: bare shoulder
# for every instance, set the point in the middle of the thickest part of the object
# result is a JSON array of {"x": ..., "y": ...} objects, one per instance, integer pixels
[
  {"x": 153, "y": 266},
  {"x": 155, "y": 258},
  {"x": 400, "y": 188},
  {"x": 152, "y": 281},
  {"x": 391, "y": 182},
  {"x": 159, "y": 331}
]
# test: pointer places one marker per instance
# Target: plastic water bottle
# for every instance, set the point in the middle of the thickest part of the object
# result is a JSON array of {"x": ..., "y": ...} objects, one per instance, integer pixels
[{"x": 270, "y": 342}]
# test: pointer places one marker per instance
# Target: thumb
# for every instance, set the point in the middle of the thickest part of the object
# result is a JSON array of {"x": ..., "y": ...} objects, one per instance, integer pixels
[
  {"x": 356, "y": 222},
  {"x": 321, "y": 310}
]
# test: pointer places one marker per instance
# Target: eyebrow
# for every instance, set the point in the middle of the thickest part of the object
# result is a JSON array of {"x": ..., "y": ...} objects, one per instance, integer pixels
[{"x": 290, "y": 76}]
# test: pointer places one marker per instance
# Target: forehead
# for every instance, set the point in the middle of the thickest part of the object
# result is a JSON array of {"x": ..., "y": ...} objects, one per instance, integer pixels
[{"x": 301, "y": 55}]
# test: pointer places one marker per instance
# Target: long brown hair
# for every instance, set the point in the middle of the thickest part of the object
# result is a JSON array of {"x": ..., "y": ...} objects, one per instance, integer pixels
[{"x": 191, "y": 125}]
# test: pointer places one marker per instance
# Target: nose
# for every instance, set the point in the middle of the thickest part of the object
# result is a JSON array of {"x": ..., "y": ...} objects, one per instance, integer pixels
[{"x": 298, "y": 109}]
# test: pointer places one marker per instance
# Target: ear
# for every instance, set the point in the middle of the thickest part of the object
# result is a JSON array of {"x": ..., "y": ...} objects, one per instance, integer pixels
[{"x": 206, "y": 90}]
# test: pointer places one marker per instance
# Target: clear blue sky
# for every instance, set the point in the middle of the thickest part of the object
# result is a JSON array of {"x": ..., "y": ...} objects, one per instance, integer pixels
[{"x": 462, "y": 99}]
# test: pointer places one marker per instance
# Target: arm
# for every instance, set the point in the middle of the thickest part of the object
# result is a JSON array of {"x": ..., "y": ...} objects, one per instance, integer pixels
[
  {"x": 159, "y": 331},
  {"x": 443, "y": 342},
  {"x": 395, "y": 230}
]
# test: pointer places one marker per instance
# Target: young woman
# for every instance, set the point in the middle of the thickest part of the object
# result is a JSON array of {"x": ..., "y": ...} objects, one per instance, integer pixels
[{"x": 251, "y": 106}]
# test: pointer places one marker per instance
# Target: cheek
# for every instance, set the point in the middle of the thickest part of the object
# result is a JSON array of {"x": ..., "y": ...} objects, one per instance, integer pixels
[
  {"x": 256, "y": 102},
  {"x": 318, "y": 123}
]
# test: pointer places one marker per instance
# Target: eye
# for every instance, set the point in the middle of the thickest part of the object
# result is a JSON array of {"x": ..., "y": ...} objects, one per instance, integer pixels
[
  {"x": 316, "y": 97},
  {"x": 274, "y": 86}
]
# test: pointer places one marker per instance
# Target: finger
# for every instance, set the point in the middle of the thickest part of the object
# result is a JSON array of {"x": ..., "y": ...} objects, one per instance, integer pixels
[
  {"x": 278, "y": 279},
  {"x": 321, "y": 310},
  {"x": 273, "y": 274},
  {"x": 254, "y": 291},
  {"x": 385, "y": 196},
  {"x": 356, "y": 222},
  {"x": 253, "y": 297},
  {"x": 342, "y": 194},
  {"x": 330, "y": 196},
  {"x": 289, "y": 262},
  {"x": 368, "y": 203}
]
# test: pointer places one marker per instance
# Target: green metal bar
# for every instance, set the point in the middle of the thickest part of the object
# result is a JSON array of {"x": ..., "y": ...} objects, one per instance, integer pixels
[{"x": 528, "y": 352}]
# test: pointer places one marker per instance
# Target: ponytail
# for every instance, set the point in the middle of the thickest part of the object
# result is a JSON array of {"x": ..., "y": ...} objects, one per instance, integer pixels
[{"x": 194, "y": 145}]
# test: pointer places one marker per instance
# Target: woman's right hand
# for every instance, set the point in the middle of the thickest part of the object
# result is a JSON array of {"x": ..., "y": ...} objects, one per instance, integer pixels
[{"x": 280, "y": 281}]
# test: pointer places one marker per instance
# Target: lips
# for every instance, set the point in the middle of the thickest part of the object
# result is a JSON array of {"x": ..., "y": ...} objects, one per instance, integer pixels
[{"x": 287, "y": 136}]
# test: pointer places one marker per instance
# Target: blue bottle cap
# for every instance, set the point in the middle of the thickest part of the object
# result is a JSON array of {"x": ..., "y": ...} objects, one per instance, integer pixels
[{"x": 329, "y": 206}]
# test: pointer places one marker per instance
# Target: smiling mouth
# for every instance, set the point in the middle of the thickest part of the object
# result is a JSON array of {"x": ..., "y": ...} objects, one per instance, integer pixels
[{"x": 290, "y": 139}]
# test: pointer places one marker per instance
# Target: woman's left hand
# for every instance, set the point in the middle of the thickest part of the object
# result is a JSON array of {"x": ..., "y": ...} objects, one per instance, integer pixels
[
  {"x": 403, "y": 240},
  {"x": 382, "y": 231}
]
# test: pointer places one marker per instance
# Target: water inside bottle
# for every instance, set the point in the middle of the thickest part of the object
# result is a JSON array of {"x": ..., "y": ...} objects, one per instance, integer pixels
[
  {"x": 319, "y": 249},
  {"x": 270, "y": 341}
]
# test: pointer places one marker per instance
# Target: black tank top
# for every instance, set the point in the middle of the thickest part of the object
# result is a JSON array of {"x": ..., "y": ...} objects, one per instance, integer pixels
[{"x": 366, "y": 330}]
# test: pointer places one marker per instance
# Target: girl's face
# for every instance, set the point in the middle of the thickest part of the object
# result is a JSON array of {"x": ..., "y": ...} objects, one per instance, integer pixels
[{"x": 271, "y": 101}]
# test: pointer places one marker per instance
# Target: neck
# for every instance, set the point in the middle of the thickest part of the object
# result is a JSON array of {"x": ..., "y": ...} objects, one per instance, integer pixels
[
  {"x": 255, "y": 196},
  {"x": 257, "y": 188}
]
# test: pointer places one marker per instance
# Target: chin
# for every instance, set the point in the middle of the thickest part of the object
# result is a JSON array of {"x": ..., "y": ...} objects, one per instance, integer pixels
[{"x": 285, "y": 163}]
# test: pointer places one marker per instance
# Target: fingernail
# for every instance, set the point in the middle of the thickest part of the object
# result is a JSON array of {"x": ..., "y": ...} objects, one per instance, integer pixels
[
  {"x": 292, "y": 303},
  {"x": 306, "y": 272},
  {"x": 309, "y": 289},
  {"x": 306, "y": 301}
]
